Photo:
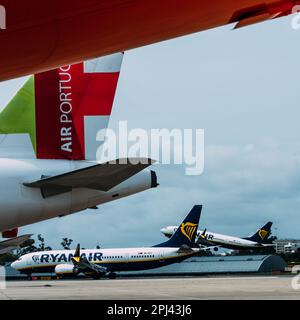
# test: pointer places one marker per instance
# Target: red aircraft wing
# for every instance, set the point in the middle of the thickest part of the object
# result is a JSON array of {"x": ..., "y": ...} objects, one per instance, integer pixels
[{"x": 42, "y": 35}]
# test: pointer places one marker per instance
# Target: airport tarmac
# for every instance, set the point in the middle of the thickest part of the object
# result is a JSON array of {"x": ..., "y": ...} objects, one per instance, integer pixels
[{"x": 246, "y": 287}]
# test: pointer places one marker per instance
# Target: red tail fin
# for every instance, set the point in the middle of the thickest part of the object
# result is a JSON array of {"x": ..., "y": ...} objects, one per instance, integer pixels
[
  {"x": 72, "y": 104},
  {"x": 10, "y": 233}
]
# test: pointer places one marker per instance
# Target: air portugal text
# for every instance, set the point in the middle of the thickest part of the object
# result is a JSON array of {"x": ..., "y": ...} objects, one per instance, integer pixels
[{"x": 66, "y": 107}]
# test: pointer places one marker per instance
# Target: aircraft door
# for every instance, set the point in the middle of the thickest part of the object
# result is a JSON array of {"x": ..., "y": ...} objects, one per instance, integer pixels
[
  {"x": 126, "y": 257},
  {"x": 161, "y": 257}
]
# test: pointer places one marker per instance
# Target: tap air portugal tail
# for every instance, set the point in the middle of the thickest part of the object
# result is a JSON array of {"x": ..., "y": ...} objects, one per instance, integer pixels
[{"x": 63, "y": 109}]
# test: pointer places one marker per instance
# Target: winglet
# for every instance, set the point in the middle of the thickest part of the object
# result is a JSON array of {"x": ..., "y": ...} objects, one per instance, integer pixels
[{"x": 77, "y": 251}]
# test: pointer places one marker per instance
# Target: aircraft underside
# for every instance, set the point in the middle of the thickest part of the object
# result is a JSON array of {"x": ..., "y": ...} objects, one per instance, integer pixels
[{"x": 59, "y": 32}]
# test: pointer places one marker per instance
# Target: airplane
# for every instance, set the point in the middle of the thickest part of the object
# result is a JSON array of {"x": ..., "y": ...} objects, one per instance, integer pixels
[
  {"x": 98, "y": 263},
  {"x": 257, "y": 241},
  {"x": 39, "y": 37},
  {"x": 48, "y": 146}
]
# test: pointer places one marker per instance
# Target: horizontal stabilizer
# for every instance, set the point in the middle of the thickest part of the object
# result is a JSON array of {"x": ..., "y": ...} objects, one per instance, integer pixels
[
  {"x": 102, "y": 177},
  {"x": 15, "y": 243},
  {"x": 266, "y": 245},
  {"x": 260, "y": 13},
  {"x": 256, "y": 19}
]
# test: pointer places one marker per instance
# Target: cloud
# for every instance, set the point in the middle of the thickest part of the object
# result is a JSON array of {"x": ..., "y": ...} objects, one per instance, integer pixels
[{"x": 241, "y": 189}]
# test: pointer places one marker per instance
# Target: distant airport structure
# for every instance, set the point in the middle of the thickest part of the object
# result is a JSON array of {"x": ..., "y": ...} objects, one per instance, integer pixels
[
  {"x": 286, "y": 246},
  {"x": 264, "y": 264}
]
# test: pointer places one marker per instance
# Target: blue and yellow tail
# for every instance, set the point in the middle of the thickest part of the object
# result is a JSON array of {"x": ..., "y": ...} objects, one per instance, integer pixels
[
  {"x": 186, "y": 232},
  {"x": 262, "y": 234}
]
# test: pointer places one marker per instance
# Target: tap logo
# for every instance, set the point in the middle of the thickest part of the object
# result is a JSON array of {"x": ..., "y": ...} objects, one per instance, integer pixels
[
  {"x": 188, "y": 229},
  {"x": 262, "y": 233},
  {"x": 2, "y": 18}
]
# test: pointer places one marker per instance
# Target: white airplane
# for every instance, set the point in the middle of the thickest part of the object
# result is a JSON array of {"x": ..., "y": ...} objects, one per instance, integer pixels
[
  {"x": 48, "y": 146},
  {"x": 98, "y": 263},
  {"x": 257, "y": 241}
]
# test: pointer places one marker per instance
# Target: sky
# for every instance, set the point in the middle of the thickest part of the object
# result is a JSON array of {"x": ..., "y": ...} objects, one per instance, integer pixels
[{"x": 242, "y": 87}]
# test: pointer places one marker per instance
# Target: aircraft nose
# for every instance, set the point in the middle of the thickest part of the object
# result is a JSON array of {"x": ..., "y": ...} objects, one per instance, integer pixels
[
  {"x": 164, "y": 230},
  {"x": 14, "y": 265}
]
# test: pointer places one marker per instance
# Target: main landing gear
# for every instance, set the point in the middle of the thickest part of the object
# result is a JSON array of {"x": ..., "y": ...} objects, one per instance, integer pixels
[{"x": 112, "y": 275}]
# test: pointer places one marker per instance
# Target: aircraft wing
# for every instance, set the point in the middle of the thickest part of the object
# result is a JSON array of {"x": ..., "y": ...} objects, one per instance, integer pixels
[
  {"x": 15, "y": 243},
  {"x": 204, "y": 242},
  {"x": 185, "y": 249},
  {"x": 209, "y": 248},
  {"x": 67, "y": 25},
  {"x": 101, "y": 177},
  {"x": 258, "y": 13},
  {"x": 83, "y": 265},
  {"x": 263, "y": 245}
]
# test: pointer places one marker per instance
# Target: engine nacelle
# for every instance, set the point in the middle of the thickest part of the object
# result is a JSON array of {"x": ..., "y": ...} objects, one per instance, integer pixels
[
  {"x": 142, "y": 181},
  {"x": 65, "y": 270}
]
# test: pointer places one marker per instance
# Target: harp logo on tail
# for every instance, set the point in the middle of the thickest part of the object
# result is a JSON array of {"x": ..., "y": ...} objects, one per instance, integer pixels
[
  {"x": 188, "y": 229},
  {"x": 262, "y": 233}
]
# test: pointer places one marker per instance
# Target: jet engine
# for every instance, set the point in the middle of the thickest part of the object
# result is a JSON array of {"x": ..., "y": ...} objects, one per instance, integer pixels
[{"x": 65, "y": 270}]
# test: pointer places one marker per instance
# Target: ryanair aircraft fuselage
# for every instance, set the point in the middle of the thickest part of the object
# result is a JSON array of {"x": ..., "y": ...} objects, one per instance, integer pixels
[
  {"x": 257, "y": 241},
  {"x": 112, "y": 260}
]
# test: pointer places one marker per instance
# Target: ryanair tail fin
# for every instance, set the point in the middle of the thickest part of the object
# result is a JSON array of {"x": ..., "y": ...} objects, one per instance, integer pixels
[
  {"x": 77, "y": 251},
  {"x": 186, "y": 233},
  {"x": 262, "y": 234}
]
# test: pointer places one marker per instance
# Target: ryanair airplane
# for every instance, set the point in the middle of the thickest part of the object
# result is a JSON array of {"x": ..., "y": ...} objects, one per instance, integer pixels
[
  {"x": 98, "y": 263},
  {"x": 259, "y": 240}
]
